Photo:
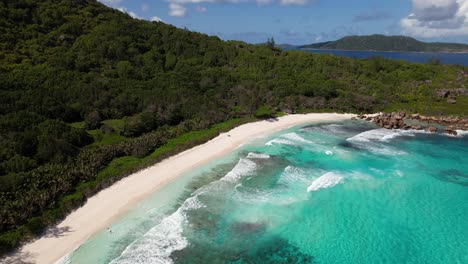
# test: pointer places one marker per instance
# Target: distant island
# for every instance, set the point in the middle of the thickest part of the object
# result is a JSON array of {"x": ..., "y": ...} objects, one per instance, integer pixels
[{"x": 387, "y": 43}]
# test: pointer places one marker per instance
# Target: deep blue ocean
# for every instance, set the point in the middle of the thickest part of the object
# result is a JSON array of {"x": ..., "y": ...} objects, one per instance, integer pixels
[
  {"x": 341, "y": 192},
  {"x": 417, "y": 57}
]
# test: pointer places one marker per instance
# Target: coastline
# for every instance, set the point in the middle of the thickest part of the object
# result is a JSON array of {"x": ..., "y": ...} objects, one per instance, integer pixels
[
  {"x": 390, "y": 51},
  {"x": 113, "y": 202}
]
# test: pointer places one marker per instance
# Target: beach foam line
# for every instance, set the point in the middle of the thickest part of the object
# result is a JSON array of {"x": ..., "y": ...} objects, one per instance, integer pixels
[{"x": 110, "y": 204}]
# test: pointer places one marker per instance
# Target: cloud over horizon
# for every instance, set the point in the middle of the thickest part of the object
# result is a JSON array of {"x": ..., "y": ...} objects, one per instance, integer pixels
[
  {"x": 437, "y": 18},
  {"x": 307, "y": 21}
]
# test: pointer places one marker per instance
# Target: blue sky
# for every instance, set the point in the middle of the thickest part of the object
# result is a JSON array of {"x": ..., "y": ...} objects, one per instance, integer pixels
[{"x": 307, "y": 21}]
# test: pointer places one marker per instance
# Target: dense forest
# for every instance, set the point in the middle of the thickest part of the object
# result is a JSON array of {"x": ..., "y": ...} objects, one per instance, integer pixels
[
  {"x": 387, "y": 43},
  {"x": 89, "y": 95}
]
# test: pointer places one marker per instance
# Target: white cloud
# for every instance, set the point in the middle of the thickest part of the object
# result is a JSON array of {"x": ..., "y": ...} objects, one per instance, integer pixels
[
  {"x": 264, "y": 2},
  {"x": 145, "y": 7},
  {"x": 201, "y": 9},
  {"x": 112, "y": 3},
  {"x": 437, "y": 18},
  {"x": 177, "y": 10},
  {"x": 260, "y": 2},
  {"x": 156, "y": 19},
  {"x": 130, "y": 13},
  {"x": 294, "y": 2},
  {"x": 178, "y": 6}
]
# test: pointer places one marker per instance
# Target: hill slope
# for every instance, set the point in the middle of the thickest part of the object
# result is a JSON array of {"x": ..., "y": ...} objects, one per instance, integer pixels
[
  {"x": 89, "y": 95},
  {"x": 387, "y": 43}
]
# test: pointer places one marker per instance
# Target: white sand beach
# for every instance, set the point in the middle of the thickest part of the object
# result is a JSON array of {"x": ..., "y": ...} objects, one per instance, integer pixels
[{"x": 109, "y": 204}]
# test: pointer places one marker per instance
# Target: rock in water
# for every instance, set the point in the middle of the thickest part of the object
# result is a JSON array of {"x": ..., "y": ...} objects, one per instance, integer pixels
[
  {"x": 431, "y": 129},
  {"x": 450, "y": 132}
]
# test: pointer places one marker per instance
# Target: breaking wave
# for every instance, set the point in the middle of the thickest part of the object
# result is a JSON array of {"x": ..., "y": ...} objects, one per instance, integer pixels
[
  {"x": 291, "y": 139},
  {"x": 279, "y": 141},
  {"x": 292, "y": 174},
  {"x": 253, "y": 155},
  {"x": 373, "y": 140},
  {"x": 295, "y": 137},
  {"x": 462, "y": 133},
  {"x": 243, "y": 168},
  {"x": 327, "y": 180},
  {"x": 157, "y": 245},
  {"x": 159, "y": 242}
]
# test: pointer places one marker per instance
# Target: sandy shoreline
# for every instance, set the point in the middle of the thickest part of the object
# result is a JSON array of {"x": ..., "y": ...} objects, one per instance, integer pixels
[{"x": 111, "y": 203}]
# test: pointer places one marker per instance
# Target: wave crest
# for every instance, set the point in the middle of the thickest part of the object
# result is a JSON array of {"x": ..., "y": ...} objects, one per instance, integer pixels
[
  {"x": 157, "y": 245},
  {"x": 327, "y": 180},
  {"x": 254, "y": 155},
  {"x": 373, "y": 140},
  {"x": 291, "y": 139},
  {"x": 279, "y": 141}
]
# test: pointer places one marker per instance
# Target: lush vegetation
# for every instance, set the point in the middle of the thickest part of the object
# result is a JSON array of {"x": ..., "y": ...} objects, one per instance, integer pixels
[
  {"x": 89, "y": 95},
  {"x": 387, "y": 43}
]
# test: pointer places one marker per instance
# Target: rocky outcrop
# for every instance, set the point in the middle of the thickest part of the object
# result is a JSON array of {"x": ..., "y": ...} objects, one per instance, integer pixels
[
  {"x": 445, "y": 93},
  {"x": 399, "y": 120},
  {"x": 416, "y": 127},
  {"x": 386, "y": 120},
  {"x": 442, "y": 93},
  {"x": 450, "y": 132}
]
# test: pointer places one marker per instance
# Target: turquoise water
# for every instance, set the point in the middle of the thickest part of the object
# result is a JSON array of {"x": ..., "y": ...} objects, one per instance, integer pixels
[{"x": 343, "y": 192}]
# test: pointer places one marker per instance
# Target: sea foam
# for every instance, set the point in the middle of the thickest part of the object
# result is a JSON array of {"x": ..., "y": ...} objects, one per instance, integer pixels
[
  {"x": 295, "y": 137},
  {"x": 243, "y": 168},
  {"x": 373, "y": 140},
  {"x": 279, "y": 141},
  {"x": 254, "y": 155},
  {"x": 292, "y": 174},
  {"x": 384, "y": 135},
  {"x": 327, "y": 180},
  {"x": 461, "y": 133},
  {"x": 159, "y": 242},
  {"x": 157, "y": 245},
  {"x": 291, "y": 139},
  {"x": 380, "y": 134}
]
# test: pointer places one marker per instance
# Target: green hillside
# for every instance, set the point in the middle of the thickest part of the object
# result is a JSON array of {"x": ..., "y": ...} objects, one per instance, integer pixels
[
  {"x": 387, "y": 43},
  {"x": 89, "y": 95}
]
